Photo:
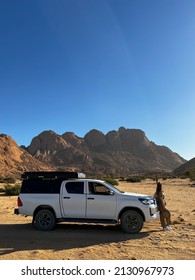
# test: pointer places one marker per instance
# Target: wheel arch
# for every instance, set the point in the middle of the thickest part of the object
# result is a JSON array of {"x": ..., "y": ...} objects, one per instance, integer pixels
[
  {"x": 41, "y": 207},
  {"x": 132, "y": 208}
]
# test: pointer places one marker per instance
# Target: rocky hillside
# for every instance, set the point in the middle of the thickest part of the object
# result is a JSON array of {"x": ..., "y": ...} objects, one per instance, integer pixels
[
  {"x": 121, "y": 152},
  {"x": 14, "y": 160},
  {"x": 186, "y": 167}
]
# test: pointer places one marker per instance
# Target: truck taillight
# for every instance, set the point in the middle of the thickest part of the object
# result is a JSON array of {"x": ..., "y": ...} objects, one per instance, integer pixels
[{"x": 20, "y": 202}]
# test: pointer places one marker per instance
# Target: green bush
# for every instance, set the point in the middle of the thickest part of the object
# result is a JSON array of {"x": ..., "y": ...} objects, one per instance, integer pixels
[
  {"x": 12, "y": 189},
  {"x": 122, "y": 179},
  {"x": 134, "y": 179},
  {"x": 7, "y": 180},
  {"x": 2, "y": 190},
  {"x": 111, "y": 181}
]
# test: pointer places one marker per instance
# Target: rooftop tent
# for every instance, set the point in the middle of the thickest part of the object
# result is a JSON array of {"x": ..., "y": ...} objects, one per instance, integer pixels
[{"x": 52, "y": 175}]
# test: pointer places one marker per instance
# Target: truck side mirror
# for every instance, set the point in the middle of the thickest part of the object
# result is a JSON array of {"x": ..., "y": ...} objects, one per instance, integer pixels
[{"x": 111, "y": 192}]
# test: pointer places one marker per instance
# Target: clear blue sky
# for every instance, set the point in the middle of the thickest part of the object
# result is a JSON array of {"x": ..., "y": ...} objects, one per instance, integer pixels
[{"x": 75, "y": 65}]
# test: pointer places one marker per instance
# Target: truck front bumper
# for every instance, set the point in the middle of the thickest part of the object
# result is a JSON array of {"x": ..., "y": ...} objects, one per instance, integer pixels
[{"x": 153, "y": 211}]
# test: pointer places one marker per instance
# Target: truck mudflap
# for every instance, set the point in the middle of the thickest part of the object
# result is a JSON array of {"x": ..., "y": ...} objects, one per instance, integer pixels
[{"x": 16, "y": 211}]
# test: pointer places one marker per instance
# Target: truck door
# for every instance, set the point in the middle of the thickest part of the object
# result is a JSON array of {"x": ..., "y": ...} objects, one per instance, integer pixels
[
  {"x": 73, "y": 199},
  {"x": 101, "y": 203}
]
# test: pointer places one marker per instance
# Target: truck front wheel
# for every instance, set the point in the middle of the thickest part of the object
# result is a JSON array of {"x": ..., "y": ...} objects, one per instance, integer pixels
[
  {"x": 44, "y": 220},
  {"x": 131, "y": 221}
]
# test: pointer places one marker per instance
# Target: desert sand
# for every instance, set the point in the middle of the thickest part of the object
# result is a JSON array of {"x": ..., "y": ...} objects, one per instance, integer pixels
[{"x": 20, "y": 241}]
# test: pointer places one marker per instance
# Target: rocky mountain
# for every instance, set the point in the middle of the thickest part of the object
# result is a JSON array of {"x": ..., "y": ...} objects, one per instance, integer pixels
[
  {"x": 121, "y": 152},
  {"x": 186, "y": 167},
  {"x": 15, "y": 160}
]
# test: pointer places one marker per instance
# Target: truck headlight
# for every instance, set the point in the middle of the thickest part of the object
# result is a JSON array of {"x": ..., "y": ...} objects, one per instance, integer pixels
[{"x": 147, "y": 201}]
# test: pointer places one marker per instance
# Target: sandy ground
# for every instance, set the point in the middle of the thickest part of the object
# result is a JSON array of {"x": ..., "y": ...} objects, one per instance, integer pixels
[{"x": 19, "y": 240}]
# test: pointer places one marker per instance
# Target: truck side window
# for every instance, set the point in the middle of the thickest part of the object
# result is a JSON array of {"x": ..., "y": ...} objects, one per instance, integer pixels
[
  {"x": 75, "y": 187},
  {"x": 41, "y": 186},
  {"x": 97, "y": 188}
]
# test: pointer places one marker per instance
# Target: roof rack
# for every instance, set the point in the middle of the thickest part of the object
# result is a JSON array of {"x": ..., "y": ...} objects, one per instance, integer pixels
[{"x": 52, "y": 175}]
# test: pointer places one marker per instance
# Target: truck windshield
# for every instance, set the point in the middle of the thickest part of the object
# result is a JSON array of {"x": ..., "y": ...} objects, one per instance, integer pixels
[{"x": 113, "y": 188}]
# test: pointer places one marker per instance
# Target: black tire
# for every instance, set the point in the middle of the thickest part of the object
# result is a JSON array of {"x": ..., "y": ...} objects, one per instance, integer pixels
[
  {"x": 131, "y": 221},
  {"x": 44, "y": 220}
]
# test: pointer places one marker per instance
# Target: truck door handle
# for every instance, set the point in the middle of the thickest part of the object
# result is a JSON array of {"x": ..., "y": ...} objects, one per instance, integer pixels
[
  {"x": 91, "y": 198},
  {"x": 66, "y": 197}
]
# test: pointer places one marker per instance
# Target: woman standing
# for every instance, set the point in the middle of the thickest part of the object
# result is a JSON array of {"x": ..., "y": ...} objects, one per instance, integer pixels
[{"x": 165, "y": 216}]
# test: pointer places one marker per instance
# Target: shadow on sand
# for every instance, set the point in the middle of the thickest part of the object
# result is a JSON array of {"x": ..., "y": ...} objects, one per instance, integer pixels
[{"x": 23, "y": 237}]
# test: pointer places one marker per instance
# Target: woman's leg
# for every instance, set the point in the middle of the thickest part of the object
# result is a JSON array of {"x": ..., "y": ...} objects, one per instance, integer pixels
[
  {"x": 162, "y": 220},
  {"x": 168, "y": 220}
]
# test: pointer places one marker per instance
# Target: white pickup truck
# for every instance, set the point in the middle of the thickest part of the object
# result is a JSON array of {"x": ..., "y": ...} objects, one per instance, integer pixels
[{"x": 52, "y": 197}]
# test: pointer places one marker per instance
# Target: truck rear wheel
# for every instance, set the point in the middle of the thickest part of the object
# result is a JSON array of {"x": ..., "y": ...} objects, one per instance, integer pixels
[
  {"x": 44, "y": 220},
  {"x": 131, "y": 221}
]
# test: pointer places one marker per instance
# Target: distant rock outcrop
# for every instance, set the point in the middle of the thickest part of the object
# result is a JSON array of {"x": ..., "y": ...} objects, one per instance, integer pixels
[
  {"x": 184, "y": 168},
  {"x": 15, "y": 160},
  {"x": 121, "y": 152}
]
